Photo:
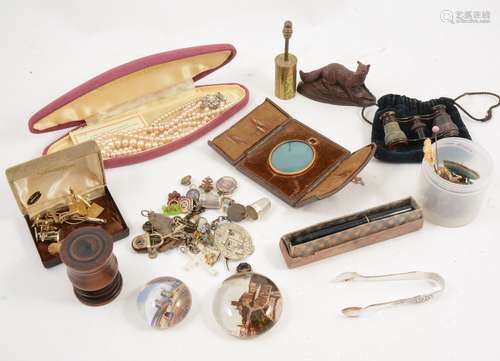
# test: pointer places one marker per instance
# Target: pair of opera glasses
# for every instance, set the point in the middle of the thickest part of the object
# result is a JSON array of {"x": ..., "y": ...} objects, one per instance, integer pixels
[{"x": 394, "y": 136}]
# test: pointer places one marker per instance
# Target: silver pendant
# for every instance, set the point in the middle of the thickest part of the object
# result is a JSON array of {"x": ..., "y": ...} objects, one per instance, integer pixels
[
  {"x": 226, "y": 185},
  {"x": 233, "y": 241}
]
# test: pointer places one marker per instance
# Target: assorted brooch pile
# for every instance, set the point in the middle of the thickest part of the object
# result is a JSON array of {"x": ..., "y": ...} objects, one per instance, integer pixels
[{"x": 180, "y": 225}]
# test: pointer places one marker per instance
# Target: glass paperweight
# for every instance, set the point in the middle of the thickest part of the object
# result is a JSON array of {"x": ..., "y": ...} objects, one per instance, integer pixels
[
  {"x": 164, "y": 302},
  {"x": 292, "y": 157},
  {"x": 247, "y": 304}
]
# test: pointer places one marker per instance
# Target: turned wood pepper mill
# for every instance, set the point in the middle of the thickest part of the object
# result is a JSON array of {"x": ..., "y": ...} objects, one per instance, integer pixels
[
  {"x": 92, "y": 266},
  {"x": 286, "y": 68}
]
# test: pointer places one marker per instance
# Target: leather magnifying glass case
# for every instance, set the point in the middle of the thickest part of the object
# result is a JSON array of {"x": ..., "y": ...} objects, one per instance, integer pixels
[{"x": 250, "y": 144}]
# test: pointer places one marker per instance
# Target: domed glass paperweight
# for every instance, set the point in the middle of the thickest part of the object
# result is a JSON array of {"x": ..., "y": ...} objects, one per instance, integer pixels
[
  {"x": 164, "y": 302},
  {"x": 247, "y": 304}
]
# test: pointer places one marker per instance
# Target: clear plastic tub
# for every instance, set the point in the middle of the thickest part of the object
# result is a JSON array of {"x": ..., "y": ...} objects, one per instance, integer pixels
[{"x": 450, "y": 204}]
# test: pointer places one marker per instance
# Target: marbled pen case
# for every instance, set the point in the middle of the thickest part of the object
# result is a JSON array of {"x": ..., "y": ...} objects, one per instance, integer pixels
[{"x": 363, "y": 234}]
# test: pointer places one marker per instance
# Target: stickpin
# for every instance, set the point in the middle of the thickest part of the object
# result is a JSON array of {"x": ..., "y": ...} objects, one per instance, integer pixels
[{"x": 435, "y": 131}]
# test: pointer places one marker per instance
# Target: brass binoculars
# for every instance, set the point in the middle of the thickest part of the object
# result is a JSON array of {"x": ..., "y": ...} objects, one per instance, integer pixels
[{"x": 395, "y": 136}]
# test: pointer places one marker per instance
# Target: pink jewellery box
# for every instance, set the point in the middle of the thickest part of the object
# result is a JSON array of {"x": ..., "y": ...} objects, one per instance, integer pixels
[{"x": 144, "y": 99}]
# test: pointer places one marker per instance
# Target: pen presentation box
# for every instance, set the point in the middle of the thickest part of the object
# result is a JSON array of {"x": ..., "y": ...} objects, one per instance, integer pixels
[
  {"x": 51, "y": 177},
  {"x": 363, "y": 232}
]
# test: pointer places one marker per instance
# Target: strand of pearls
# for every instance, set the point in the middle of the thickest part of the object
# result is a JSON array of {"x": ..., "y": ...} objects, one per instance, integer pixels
[{"x": 165, "y": 129}]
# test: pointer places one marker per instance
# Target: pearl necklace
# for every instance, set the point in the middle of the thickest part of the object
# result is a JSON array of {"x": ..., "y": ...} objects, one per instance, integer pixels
[{"x": 166, "y": 128}]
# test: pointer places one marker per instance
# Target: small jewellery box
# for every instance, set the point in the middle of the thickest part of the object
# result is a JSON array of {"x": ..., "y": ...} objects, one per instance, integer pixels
[
  {"x": 69, "y": 186},
  {"x": 145, "y": 108},
  {"x": 351, "y": 232},
  {"x": 291, "y": 160}
]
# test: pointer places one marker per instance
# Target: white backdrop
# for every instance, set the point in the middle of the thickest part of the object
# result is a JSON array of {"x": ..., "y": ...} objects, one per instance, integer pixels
[{"x": 51, "y": 46}]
